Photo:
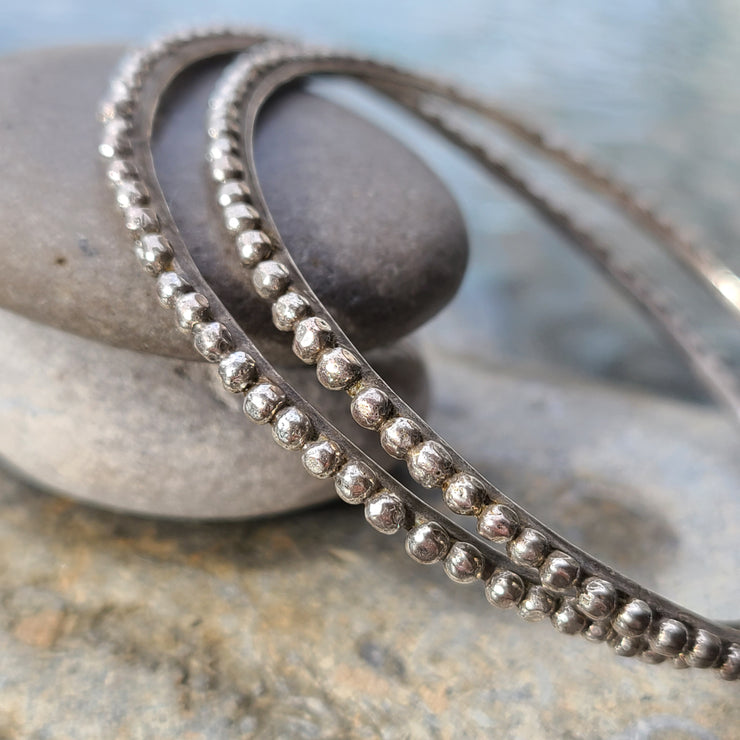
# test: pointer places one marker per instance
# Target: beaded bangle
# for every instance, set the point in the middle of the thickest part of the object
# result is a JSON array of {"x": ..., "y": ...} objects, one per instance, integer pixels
[{"x": 540, "y": 573}]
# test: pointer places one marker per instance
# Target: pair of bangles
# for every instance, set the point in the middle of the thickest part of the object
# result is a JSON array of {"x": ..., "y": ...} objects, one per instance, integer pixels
[{"x": 521, "y": 563}]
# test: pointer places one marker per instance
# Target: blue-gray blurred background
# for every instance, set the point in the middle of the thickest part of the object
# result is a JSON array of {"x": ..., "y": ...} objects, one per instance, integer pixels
[{"x": 646, "y": 88}]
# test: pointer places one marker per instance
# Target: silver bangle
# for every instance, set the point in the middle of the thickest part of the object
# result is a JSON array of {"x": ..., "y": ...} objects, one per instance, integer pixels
[{"x": 540, "y": 573}]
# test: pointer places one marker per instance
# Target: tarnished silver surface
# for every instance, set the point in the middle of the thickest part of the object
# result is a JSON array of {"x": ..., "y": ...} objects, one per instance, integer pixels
[
  {"x": 463, "y": 495},
  {"x": 430, "y": 464},
  {"x": 292, "y": 428},
  {"x": 237, "y": 371},
  {"x": 322, "y": 459},
  {"x": 559, "y": 572},
  {"x": 385, "y": 512},
  {"x": 262, "y": 401},
  {"x": 463, "y": 563},
  {"x": 427, "y": 543},
  {"x": 355, "y": 482},
  {"x": 511, "y": 580}
]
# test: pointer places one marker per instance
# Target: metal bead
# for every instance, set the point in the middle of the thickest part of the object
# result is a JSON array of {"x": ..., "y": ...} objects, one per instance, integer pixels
[
  {"x": 633, "y": 618},
  {"x": 129, "y": 80},
  {"x": 237, "y": 371},
  {"x": 287, "y": 310},
  {"x": 322, "y": 459},
  {"x": 232, "y": 191},
  {"x": 598, "y": 631},
  {"x": 427, "y": 543},
  {"x": 498, "y": 523},
  {"x": 117, "y": 126},
  {"x": 430, "y": 464},
  {"x": 160, "y": 47},
  {"x": 116, "y": 139},
  {"x": 219, "y": 100},
  {"x": 191, "y": 309},
  {"x": 241, "y": 217},
  {"x": 371, "y": 407},
  {"x": 121, "y": 169},
  {"x": 385, "y": 512},
  {"x": 705, "y": 650},
  {"x": 292, "y": 428},
  {"x": 154, "y": 253},
  {"x": 399, "y": 436},
  {"x": 222, "y": 125},
  {"x": 221, "y": 147},
  {"x": 505, "y": 589},
  {"x": 170, "y": 285},
  {"x": 212, "y": 340},
  {"x": 262, "y": 402},
  {"x": 131, "y": 193},
  {"x": 536, "y": 604},
  {"x": 729, "y": 668},
  {"x": 337, "y": 369},
  {"x": 627, "y": 647},
  {"x": 312, "y": 336},
  {"x": 132, "y": 67},
  {"x": 120, "y": 83},
  {"x": 118, "y": 104},
  {"x": 464, "y": 494},
  {"x": 464, "y": 563},
  {"x": 355, "y": 482},
  {"x": 116, "y": 89},
  {"x": 253, "y": 247},
  {"x": 668, "y": 637},
  {"x": 141, "y": 220},
  {"x": 226, "y": 168},
  {"x": 567, "y": 620},
  {"x": 270, "y": 279},
  {"x": 559, "y": 572},
  {"x": 597, "y": 599},
  {"x": 528, "y": 548}
]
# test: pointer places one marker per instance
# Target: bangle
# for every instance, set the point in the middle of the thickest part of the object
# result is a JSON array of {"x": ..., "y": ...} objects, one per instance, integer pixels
[{"x": 522, "y": 562}]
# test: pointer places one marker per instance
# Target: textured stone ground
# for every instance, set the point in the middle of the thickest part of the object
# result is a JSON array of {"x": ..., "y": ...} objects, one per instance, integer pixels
[{"x": 315, "y": 626}]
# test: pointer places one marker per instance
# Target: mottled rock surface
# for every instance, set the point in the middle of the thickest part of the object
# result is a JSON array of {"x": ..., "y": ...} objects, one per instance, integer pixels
[
  {"x": 315, "y": 626},
  {"x": 347, "y": 198}
]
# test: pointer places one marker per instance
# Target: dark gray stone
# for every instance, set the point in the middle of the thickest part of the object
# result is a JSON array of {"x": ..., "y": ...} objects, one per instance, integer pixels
[{"x": 346, "y": 196}]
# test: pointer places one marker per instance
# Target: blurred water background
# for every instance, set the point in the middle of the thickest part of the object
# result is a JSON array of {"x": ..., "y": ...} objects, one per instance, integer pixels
[{"x": 646, "y": 88}]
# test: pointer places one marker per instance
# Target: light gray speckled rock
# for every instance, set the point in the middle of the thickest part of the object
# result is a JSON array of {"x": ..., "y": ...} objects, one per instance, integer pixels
[
  {"x": 156, "y": 435},
  {"x": 315, "y": 626},
  {"x": 346, "y": 196}
]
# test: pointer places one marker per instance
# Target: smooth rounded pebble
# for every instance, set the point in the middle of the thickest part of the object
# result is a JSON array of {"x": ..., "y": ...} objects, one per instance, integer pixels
[{"x": 156, "y": 435}]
